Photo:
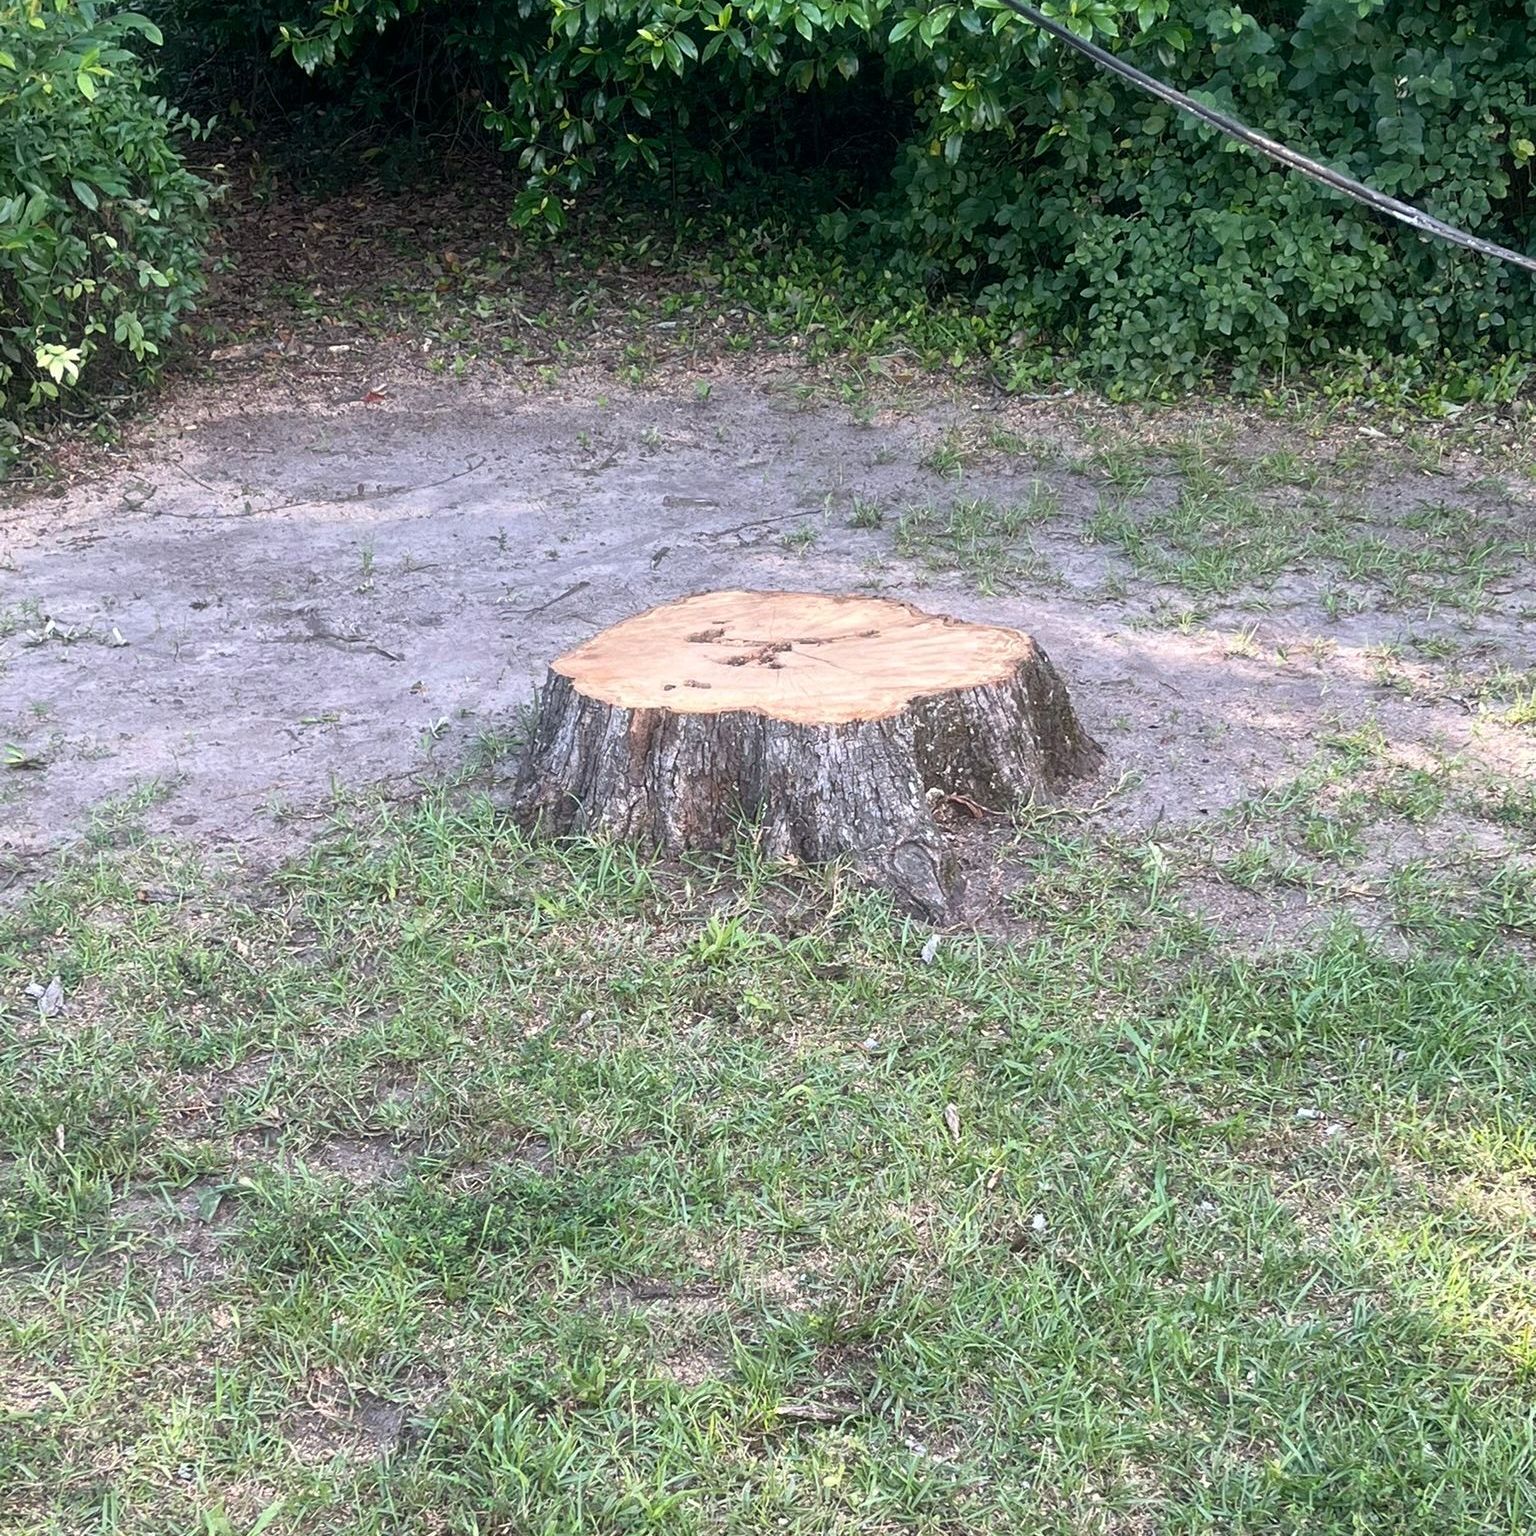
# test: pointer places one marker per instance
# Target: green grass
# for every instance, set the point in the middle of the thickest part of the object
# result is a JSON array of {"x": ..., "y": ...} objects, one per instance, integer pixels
[
  {"x": 1234, "y": 525},
  {"x": 1198, "y": 516},
  {"x": 863, "y": 512},
  {"x": 1523, "y": 710},
  {"x": 985, "y": 541},
  {"x": 458, "y": 1184},
  {"x": 1217, "y": 539},
  {"x": 956, "y": 449}
]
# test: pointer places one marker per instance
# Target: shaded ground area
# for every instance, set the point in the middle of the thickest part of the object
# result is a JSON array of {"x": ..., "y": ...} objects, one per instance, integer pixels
[{"x": 279, "y": 601}]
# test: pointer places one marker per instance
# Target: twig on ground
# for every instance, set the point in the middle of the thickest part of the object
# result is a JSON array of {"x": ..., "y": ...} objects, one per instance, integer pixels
[{"x": 570, "y": 591}]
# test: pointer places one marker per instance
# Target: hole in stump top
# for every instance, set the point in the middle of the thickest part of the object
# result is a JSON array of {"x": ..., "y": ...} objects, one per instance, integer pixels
[{"x": 805, "y": 657}]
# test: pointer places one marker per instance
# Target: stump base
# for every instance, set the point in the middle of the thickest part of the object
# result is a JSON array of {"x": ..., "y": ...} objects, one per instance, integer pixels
[{"x": 833, "y": 727}]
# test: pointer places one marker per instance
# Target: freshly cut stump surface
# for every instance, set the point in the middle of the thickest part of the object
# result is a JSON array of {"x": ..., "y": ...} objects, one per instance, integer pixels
[{"x": 836, "y": 727}]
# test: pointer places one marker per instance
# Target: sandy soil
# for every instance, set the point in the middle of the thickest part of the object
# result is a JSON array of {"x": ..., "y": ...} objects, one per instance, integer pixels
[{"x": 276, "y": 597}]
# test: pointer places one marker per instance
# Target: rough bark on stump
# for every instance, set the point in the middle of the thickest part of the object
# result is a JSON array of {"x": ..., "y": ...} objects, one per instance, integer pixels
[{"x": 835, "y": 726}]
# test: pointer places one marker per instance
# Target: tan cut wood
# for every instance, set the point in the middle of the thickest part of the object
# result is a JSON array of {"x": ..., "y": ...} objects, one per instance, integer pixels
[{"x": 831, "y": 727}]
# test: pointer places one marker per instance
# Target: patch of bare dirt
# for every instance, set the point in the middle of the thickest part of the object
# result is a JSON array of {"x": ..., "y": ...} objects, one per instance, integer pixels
[
  {"x": 341, "y": 1423},
  {"x": 690, "y": 1365},
  {"x": 360, "y": 1160},
  {"x": 180, "y": 1235},
  {"x": 278, "y": 601}
]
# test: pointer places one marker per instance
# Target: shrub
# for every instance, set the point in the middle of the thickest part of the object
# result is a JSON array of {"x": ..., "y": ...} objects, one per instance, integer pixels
[
  {"x": 1059, "y": 199},
  {"x": 101, "y": 224},
  {"x": 1158, "y": 250}
]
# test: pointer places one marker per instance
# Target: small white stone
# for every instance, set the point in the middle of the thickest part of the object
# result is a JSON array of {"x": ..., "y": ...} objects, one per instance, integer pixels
[
  {"x": 1037, "y": 1222},
  {"x": 1309, "y": 1114}
]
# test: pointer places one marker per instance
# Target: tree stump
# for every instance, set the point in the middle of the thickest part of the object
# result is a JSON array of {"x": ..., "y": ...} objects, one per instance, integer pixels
[{"x": 835, "y": 727}]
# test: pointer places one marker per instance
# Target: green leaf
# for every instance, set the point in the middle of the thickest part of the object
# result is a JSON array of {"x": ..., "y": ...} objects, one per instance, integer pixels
[
  {"x": 85, "y": 85},
  {"x": 142, "y": 24},
  {"x": 85, "y": 192},
  {"x": 266, "y": 1517}
]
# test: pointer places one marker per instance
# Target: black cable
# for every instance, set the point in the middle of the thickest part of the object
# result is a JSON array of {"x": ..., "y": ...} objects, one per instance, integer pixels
[{"x": 1415, "y": 218}]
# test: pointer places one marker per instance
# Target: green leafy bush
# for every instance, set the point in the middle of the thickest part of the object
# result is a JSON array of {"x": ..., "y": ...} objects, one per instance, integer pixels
[
  {"x": 101, "y": 224},
  {"x": 1158, "y": 249},
  {"x": 1067, "y": 205}
]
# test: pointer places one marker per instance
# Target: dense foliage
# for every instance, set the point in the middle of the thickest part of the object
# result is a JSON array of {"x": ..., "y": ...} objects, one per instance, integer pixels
[
  {"x": 960, "y": 154},
  {"x": 1157, "y": 245},
  {"x": 1065, "y": 202},
  {"x": 100, "y": 221}
]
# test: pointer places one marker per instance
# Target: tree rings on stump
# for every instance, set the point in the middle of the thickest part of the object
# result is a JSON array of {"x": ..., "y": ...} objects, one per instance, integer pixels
[{"x": 836, "y": 727}]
